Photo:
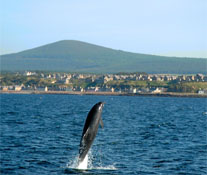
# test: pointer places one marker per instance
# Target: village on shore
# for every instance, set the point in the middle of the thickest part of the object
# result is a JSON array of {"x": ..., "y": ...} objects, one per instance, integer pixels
[{"x": 120, "y": 83}]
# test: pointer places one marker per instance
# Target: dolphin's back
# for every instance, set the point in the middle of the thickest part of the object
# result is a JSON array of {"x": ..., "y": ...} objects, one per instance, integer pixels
[
  {"x": 88, "y": 121},
  {"x": 90, "y": 130}
]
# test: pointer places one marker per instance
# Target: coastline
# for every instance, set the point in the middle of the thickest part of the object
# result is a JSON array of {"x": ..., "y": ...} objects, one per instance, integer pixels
[{"x": 165, "y": 94}]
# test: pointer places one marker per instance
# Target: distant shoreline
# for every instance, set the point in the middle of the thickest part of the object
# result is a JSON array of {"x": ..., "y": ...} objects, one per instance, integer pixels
[{"x": 165, "y": 94}]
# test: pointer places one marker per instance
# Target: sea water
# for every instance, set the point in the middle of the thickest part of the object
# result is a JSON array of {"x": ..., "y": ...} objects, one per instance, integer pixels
[{"x": 40, "y": 134}]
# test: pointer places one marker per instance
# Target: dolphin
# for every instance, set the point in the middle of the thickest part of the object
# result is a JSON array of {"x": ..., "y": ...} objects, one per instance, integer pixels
[{"x": 90, "y": 129}]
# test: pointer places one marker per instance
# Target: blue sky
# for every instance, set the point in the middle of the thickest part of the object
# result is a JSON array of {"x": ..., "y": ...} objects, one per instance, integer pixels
[{"x": 161, "y": 27}]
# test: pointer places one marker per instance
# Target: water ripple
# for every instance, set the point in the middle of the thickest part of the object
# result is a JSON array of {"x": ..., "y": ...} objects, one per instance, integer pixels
[{"x": 40, "y": 134}]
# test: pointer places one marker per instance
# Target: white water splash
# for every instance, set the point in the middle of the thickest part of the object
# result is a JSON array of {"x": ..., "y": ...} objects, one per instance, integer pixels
[
  {"x": 86, "y": 164},
  {"x": 109, "y": 167}
]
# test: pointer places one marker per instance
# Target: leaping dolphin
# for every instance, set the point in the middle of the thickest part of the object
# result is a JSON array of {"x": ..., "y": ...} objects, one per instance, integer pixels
[{"x": 90, "y": 129}]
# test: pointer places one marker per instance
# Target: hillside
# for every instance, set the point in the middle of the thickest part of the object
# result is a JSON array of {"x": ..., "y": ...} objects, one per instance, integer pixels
[{"x": 76, "y": 56}]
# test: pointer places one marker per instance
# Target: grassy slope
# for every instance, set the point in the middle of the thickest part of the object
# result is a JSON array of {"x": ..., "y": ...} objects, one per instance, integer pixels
[{"x": 76, "y": 56}]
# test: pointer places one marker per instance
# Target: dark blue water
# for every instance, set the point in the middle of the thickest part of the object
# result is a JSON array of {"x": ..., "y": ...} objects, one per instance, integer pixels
[{"x": 40, "y": 134}]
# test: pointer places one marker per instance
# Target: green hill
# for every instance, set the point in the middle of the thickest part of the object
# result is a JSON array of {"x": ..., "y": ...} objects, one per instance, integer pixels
[{"x": 76, "y": 56}]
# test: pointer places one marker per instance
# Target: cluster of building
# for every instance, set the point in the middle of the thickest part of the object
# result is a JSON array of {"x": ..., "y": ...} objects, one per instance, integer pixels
[
  {"x": 80, "y": 89},
  {"x": 66, "y": 77},
  {"x": 65, "y": 82},
  {"x": 156, "y": 77}
]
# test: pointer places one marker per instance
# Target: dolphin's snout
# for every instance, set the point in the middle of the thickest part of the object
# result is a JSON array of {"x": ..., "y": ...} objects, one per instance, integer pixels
[{"x": 101, "y": 105}]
